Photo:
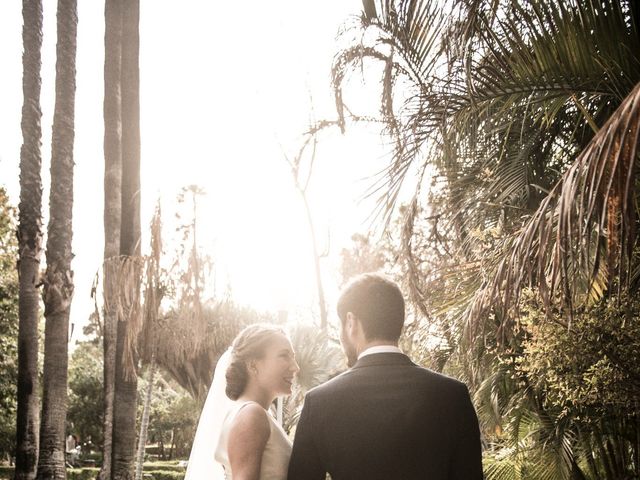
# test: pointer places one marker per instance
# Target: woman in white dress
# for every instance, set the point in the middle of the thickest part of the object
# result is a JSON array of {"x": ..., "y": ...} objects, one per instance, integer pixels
[{"x": 246, "y": 439}]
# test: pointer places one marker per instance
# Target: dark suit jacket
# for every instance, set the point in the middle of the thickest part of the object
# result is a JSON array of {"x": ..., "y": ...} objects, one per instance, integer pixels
[{"x": 387, "y": 418}]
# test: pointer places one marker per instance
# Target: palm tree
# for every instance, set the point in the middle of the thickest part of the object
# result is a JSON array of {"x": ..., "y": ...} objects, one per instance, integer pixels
[
  {"x": 191, "y": 359},
  {"x": 58, "y": 280},
  {"x": 30, "y": 245},
  {"x": 112, "y": 212},
  {"x": 320, "y": 358},
  {"x": 124, "y": 421},
  {"x": 583, "y": 234},
  {"x": 503, "y": 96}
]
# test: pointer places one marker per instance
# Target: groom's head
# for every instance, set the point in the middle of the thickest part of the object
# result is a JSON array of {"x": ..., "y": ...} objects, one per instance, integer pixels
[{"x": 371, "y": 310}]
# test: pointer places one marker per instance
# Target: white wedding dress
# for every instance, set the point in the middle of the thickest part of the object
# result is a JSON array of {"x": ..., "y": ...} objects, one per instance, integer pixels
[{"x": 275, "y": 459}]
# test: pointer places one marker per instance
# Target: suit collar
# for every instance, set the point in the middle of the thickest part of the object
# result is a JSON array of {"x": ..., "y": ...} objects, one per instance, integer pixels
[
  {"x": 380, "y": 349},
  {"x": 387, "y": 358}
]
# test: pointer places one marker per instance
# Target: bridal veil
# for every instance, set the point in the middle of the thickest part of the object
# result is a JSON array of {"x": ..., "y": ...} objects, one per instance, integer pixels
[{"x": 202, "y": 464}]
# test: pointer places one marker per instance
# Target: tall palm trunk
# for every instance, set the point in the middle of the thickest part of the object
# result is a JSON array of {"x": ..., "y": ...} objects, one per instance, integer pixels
[
  {"x": 30, "y": 244},
  {"x": 112, "y": 212},
  {"x": 58, "y": 281},
  {"x": 144, "y": 424},
  {"x": 124, "y": 425}
]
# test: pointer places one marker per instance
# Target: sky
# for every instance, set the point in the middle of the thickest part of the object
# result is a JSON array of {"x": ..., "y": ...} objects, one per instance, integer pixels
[{"x": 227, "y": 89}]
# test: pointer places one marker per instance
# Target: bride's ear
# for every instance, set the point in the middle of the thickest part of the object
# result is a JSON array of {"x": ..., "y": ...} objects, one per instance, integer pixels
[{"x": 251, "y": 368}]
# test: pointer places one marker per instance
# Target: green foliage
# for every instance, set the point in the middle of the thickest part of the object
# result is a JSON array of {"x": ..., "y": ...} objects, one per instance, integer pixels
[
  {"x": 172, "y": 419},
  {"x": 86, "y": 411},
  {"x": 167, "y": 466},
  {"x": 562, "y": 399},
  {"x": 82, "y": 473},
  {"x": 589, "y": 369},
  {"x": 8, "y": 325},
  {"x": 164, "y": 475},
  {"x": 6, "y": 472}
]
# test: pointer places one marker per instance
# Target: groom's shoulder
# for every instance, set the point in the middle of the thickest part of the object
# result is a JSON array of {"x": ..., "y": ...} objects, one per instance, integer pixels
[
  {"x": 339, "y": 382},
  {"x": 442, "y": 380},
  {"x": 415, "y": 375}
]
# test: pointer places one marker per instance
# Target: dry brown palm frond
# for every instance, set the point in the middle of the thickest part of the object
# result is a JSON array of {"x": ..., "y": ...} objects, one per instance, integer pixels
[
  {"x": 130, "y": 305},
  {"x": 121, "y": 285},
  {"x": 190, "y": 360},
  {"x": 153, "y": 290},
  {"x": 190, "y": 266},
  {"x": 581, "y": 238}
]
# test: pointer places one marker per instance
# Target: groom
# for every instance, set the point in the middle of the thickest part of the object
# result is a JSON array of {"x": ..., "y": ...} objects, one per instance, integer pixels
[{"x": 385, "y": 418}]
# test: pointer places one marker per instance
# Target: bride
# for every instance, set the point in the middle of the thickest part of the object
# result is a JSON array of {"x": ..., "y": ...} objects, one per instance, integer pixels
[{"x": 237, "y": 438}]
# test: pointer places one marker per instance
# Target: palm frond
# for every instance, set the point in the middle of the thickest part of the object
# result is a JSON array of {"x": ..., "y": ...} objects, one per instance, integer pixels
[
  {"x": 320, "y": 358},
  {"x": 584, "y": 227},
  {"x": 191, "y": 361}
]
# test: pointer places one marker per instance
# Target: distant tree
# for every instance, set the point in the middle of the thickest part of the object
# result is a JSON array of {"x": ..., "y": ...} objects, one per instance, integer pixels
[
  {"x": 86, "y": 392},
  {"x": 193, "y": 367},
  {"x": 9, "y": 287},
  {"x": 173, "y": 418},
  {"x": 301, "y": 177},
  {"x": 58, "y": 279},
  {"x": 194, "y": 331},
  {"x": 30, "y": 245},
  {"x": 181, "y": 417},
  {"x": 361, "y": 257}
]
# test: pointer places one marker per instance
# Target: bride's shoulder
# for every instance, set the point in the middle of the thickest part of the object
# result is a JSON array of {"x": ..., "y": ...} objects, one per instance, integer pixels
[
  {"x": 249, "y": 431},
  {"x": 251, "y": 416}
]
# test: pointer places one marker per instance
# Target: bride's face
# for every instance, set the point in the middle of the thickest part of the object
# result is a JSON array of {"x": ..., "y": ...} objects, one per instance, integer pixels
[{"x": 276, "y": 370}]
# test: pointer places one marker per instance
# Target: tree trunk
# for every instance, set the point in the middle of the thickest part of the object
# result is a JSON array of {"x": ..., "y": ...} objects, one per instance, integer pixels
[
  {"x": 30, "y": 245},
  {"x": 144, "y": 424},
  {"x": 58, "y": 281},
  {"x": 112, "y": 209},
  {"x": 124, "y": 426},
  {"x": 130, "y": 85},
  {"x": 124, "y": 413},
  {"x": 316, "y": 262}
]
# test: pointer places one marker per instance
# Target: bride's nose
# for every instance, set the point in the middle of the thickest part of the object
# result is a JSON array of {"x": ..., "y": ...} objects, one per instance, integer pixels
[{"x": 295, "y": 368}]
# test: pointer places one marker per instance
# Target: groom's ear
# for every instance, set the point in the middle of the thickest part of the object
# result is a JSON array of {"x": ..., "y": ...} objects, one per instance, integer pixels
[
  {"x": 351, "y": 322},
  {"x": 348, "y": 324}
]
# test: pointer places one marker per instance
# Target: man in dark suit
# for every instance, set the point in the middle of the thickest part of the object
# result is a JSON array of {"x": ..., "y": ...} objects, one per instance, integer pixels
[{"x": 385, "y": 418}]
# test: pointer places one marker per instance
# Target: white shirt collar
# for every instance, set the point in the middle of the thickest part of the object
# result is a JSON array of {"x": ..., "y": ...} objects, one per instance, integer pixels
[{"x": 379, "y": 349}]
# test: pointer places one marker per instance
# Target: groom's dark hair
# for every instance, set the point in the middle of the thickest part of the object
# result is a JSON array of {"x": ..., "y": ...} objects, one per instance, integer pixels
[{"x": 377, "y": 302}]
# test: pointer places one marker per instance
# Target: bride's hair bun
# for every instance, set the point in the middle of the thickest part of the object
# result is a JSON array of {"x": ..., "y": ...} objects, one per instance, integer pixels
[{"x": 250, "y": 344}]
